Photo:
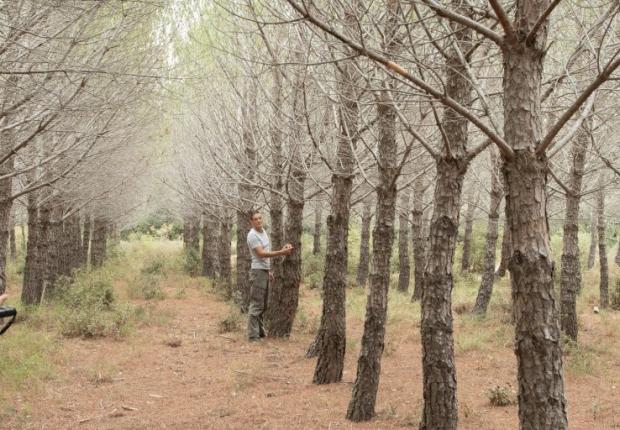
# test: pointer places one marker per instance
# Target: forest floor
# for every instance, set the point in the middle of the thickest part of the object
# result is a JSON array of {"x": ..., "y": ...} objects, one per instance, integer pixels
[{"x": 182, "y": 370}]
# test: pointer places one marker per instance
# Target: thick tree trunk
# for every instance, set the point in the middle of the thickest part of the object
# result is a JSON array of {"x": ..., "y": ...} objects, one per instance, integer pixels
[
  {"x": 419, "y": 240},
  {"x": 593, "y": 240},
  {"x": 99, "y": 242},
  {"x": 469, "y": 228},
  {"x": 362, "y": 404},
  {"x": 439, "y": 371},
  {"x": 276, "y": 233},
  {"x": 488, "y": 271},
  {"x": 403, "y": 243},
  {"x": 5, "y": 220},
  {"x": 286, "y": 298},
  {"x": 194, "y": 235},
  {"x": 318, "y": 223},
  {"x": 602, "y": 247},
  {"x": 570, "y": 275},
  {"x": 332, "y": 334},
  {"x": 31, "y": 290},
  {"x": 364, "y": 260},
  {"x": 209, "y": 246},
  {"x": 538, "y": 341}
]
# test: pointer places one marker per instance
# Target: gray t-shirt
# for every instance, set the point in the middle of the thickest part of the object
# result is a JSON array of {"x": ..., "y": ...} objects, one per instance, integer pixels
[{"x": 255, "y": 239}]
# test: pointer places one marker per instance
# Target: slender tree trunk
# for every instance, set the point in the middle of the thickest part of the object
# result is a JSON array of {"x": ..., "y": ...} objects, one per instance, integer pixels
[
  {"x": 285, "y": 303},
  {"x": 31, "y": 293},
  {"x": 55, "y": 234},
  {"x": 12, "y": 241},
  {"x": 505, "y": 252},
  {"x": 602, "y": 247},
  {"x": 488, "y": 272},
  {"x": 439, "y": 370},
  {"x": 86, "y": 239},
  {"x": 98, "y": 243},
  {"x": 224, "y": 251},
  {"x": 362, "y": 404},
  {"x": 403, "y": 243},
  {"x": 593, "y": 241},
  {"x": 541, "y": 398},
  {"x": 570, "y": 274},
  {"x": 469, "y": 228},
  {"x": 5, "y": 219},
  {"x": 209, "y": 246},
  {"x": 419, "y": 240},
  {"x": 194, "y": 234},
  {"x": 364, "y": 259},
  {"x": 616, "y": 259},
  {"x": 332, "y": 331},
  {"x": 318, "y": 223},
  {"x": 22, "y": 245}
]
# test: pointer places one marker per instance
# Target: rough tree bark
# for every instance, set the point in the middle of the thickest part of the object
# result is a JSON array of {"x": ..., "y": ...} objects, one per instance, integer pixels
[
  {"x": 472, "y": 201},
  {"x": 593, "y": 240},
  {"x": 223, "y": 254},
  {"x": 318, "y": 223},
  {"x": 439, "y": 371},
  {"x": 285, "y": 303},
  {"x": 86, "y": 238},
  {"x": 362, "y": 404},
  {"x": 55, "y": 234},
  {"x": 331, "y": 337},
  {"x": 31, "y": 295},
  {"x": 570, "y": 274},
  {"x": 404, "y": 266},
  {"x": 276, "y": 234},
  {"x": 12, "y": 240},
  {"x": 209, "y": 246},
  {"x": 602, "y": 246},
  {"x": 505, "y": 252},
  {"x": 364, "y": 261},
  {"x": 537, "y": 330},
  {"x": 488, "y": 271},
  {"x": 419, "y": 240}
]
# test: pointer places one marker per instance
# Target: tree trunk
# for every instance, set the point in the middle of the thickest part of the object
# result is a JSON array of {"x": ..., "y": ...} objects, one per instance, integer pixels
[
  {"x": 98, "y": 243},
  {"x": 31, "y": 290},
  {"x": 419, "y": 240},
  {"x": 362, "y": 404},
  {"x": 364, "y": 260},
  {"x": 570, "y": 274},
  {"x": 488, "y": 271},
  {"x": 602, "y": 247},
  {"x": 469, "y": 228},
  {"x": 332, "y": 330},
  {"x": 224, "y": 251},
  {"x": 538, "y": 342},
  {"x": 593, "y": 241},
  {"x": 439, "y": 371},
  {"x": 5, "y": 219},
  {"x": 505, "y": 252},
  {"x": 403, "y": 243},
  {"x": 209, "y": 246},
  {"x": 12, "y": 241},
  {"x": 286, "y": 298},
  {"x": 318, "y": 223},
  {"x": 55, "y": 234},
  {"x": 86, "y": 239},
  {"x": 275, "y": 198},
  {"x": 616, "y": 259}
]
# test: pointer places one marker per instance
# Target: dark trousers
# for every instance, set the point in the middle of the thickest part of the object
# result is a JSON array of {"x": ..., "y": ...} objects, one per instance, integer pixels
[{"x": 259, "y": 280}]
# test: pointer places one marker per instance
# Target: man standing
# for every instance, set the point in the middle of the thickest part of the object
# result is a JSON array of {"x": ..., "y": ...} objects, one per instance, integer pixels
[{"x": 260, "y": 249}]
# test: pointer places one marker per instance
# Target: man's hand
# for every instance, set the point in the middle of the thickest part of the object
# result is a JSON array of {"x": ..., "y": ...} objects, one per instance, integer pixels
[
  {"x": 287, "y": 249},
  {"x": 3, "y": 298}
]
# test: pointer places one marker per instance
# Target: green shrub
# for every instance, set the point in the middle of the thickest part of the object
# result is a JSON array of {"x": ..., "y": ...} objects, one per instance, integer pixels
[
  {"x": 87, "y": 307},
  {"x": 232, "y": 321},
  {"x": 192, "y": 263},
  {"x": 501, "y": 396}
]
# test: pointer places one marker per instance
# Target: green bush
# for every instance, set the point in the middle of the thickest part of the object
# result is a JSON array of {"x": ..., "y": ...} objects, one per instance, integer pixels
[
  {"x": 87, "y": 306},
  {"x": 191, "y": 262},
  {"x": 614, "y": 301},
  {"x": 501, "y": 396}
]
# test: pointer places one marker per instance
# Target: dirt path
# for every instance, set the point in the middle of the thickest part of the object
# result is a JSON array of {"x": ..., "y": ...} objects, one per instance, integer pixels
[{"x": 214, "y": 381}]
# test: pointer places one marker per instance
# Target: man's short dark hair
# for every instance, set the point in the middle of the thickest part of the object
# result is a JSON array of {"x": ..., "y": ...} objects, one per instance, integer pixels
[{"x": 252, "y": 213}]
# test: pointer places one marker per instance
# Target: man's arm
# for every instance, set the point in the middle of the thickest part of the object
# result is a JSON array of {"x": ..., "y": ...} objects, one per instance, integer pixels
[{"x": 260, "y": 251}]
